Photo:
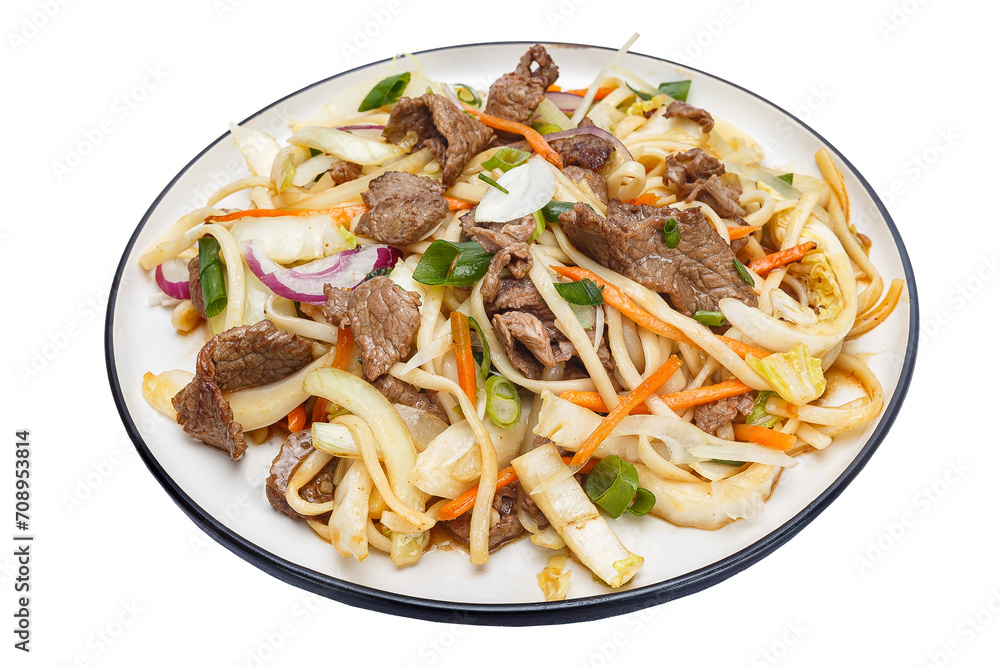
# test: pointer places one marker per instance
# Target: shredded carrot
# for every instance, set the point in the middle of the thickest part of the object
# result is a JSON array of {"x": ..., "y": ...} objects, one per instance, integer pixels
[
  {"x": 319, "y": 409},
  {"x": 602, "y": 92},
  {"x": 764, "y": 436},
  {"x": 630, "y": 309},
  {"x": 461, "y": 342},
  {"x": 458, "y": 204},
  {"x": 341, "y": 213},
  {"x": 462, "y": 504},
  {"x": 637, "y": 396},
  {"x": 536, "y": 140},
  {"x": 781, "y": 258},
  {"x": 345, "y": 340},
  {"x": 648, "y": 198},
  {"x": 740, "y": 231},
  {"x": 553, "y": 89},
  {"x": 297, "y": 419},
  {"x": 679, "y": 400}
]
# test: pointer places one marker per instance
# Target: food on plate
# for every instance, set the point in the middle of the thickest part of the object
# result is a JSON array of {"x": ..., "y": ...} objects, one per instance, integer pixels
[{"x": 521, "y": 312}]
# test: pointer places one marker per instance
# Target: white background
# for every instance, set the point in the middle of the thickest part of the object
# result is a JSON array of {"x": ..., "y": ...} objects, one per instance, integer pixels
[{"x": 900, "y": 570}]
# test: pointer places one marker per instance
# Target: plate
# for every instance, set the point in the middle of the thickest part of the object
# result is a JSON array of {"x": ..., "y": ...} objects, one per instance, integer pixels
[{"x": 227, "y": 500}]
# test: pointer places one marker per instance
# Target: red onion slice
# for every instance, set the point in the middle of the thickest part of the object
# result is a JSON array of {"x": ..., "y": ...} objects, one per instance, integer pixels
[
  {"x": 172, "y": 277},
  {"x": 597, "y": 132},
  {"x": 304, "y": 283},
  {"x": 361, "y": 127},
  {"x": 567, "y": 102}
]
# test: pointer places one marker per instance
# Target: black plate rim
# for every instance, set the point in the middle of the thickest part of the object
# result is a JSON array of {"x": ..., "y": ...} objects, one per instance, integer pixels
[{"x": 519, "y": 614}]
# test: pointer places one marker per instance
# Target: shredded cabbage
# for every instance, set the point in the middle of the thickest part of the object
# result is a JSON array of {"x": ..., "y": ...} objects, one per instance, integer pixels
[
  {"x": 295, "y": 238},
  {"x": 258, "y": 148},
  {"x": 346, "y": 146},
  {"x": 795, "y": 375}
]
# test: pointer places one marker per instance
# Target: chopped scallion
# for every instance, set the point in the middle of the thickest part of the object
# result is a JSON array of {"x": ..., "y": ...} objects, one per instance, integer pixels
[
  {"x": 213, "y": 284},
  {"x": 744, "y": 272},
  {"x": 374, "y": 273},
  {"x": 539, "y": 225},
  {"x": 545, "y": 128},
  {"x": 467, "y": 94},
  {"x": 581, "y": 292},
  {"x": 506, "y": 159},
  {"x": 484, "y": 363},
  {"x": 710, "y": 318},
  {"x": 486, "y": 179},
  {"x": 503, "y": 403},
  {"x": 386, "y": 91},
  {"x": 554, "y": 208},
  {"x": 758, "y": 415},
  {"x": 671, "y": 234},
  {"x": 728, "y": 463},
  {"x": 676, "y": 89},
  {"x": 452, "y": 264},
  {"x": 787, "y": 178},
  {"x": 613, "y": 485}
]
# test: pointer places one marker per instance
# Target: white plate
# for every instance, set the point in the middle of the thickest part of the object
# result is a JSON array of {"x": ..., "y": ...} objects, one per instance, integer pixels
[{"x": 227, "y": 500}]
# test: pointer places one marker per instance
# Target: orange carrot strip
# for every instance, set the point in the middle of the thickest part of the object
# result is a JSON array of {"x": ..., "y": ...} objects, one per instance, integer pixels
[
  {"x": 459, "y": 506},
  {"x": 345, "y": 339},
  {"x": 637, "y": 396},
  {"x": 458, "y": 204},
  {"x": 319, "y": 409},
  {"x": 461, "y": 342},
  {"x": 602, "y": 92},
  {"x": 553, "y": 89},
  {"x": 741, "y": 231},
  {"x": 339, "y": 212},
  {"x": 297, "y": 419},
  {"x": 630, "y": 309},
  {"x": 679, "y": 400},
  {"x": 782, "y": 257},
  {"x": 536, "y": 140},
  {"x": 648, "y": 198},
  {"x": 764, "y": 436}
]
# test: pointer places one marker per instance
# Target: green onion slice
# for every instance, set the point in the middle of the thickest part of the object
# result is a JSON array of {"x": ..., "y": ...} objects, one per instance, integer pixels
[
  {"x": 503, "y": 403},
  {"x": 676, "y": 89},
  {"x": 467, "y": 94},
  {"x": 671, "y": 234},
  {"x": 728, "y": 463},
  {"x": 452, "y": 264},
  {"x": 710, "y": 318},
  {"x": 374, "y": 273},
  {"x": 744, "y": 272},
  {"x": 612, "y": 485},
  {"x": 644, "y": 501},
  {"x": 213, "y": 285},
  {"x": 545, "y": 128},
  {"x": 787, "y": 178},
  {"x": 758, "y": 415},
  {"x": 581, "y": 292},
  {"x": 483, "y": 177},
  {"x": 638, "y": 93},
  {"x": 539, "y": 225},
  {"x": 386, "y": 91},
  {"x": 554, "y": 208},
  {"x": 484, "y": 363},
  {"x": 506, "y": 159}
]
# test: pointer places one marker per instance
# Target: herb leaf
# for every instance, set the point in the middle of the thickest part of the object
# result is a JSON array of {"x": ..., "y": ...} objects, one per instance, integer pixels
[
  {"x": 744, "y": 272},
  {"x": 554, "y": 208},
  {"x": 676, "y": 89},
  {"x": 452, "y": 264},
  {"x": 787, "y": 178},
  {"x": 581, "y": 292},
  {"x": 506, "y": 159},
  {"x": 386, "y": 91},
  {"x": 638, "y": 93}
]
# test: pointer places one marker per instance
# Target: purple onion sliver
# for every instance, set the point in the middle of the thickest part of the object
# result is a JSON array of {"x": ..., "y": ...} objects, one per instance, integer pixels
[
  {"x": 177, "y": 290},
  {"x": 361, "y": 127}
]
